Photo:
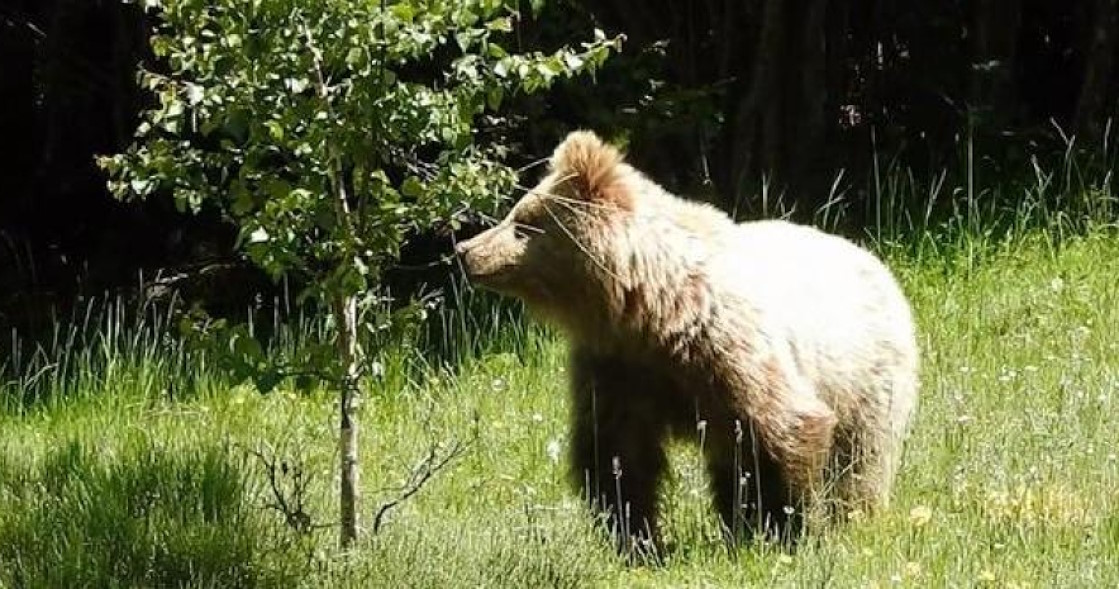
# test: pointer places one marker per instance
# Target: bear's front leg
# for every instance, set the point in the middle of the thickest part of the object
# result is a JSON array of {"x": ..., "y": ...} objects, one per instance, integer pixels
[{"x": 617, "y": 451}]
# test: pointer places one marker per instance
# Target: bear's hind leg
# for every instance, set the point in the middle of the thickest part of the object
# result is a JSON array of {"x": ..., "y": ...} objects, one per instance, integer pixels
[
  {"x": 864, "y": 474},
  {"x": 748, "y": 490},
  {"x": 869, "y": 449}
]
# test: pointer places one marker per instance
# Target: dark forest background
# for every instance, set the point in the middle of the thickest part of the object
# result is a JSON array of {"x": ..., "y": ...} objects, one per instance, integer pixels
[{"x": 712, "y": 98}]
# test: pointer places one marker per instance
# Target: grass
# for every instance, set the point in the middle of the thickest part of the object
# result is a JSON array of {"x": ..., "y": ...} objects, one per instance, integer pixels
[{"x": 128, "y": 460}]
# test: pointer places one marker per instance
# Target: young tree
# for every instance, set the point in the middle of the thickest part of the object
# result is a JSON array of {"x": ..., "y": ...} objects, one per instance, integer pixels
[{"x": 326, "y": 130}]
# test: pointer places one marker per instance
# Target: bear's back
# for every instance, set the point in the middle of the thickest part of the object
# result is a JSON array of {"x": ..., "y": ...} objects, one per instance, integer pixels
[{"x": 833, "y": 305}]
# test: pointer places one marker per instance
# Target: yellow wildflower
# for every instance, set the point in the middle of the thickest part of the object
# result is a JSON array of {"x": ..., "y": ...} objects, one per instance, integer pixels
[{"x": 920, "y": 515}]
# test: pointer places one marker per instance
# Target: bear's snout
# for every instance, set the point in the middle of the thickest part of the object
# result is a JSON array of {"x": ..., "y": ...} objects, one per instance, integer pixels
[
  {"x": 462, "y": 252},
  {"x": 476, "y": 257},
  {"x": 490, "y": 258},
  {"x": 461, "y": 248}
]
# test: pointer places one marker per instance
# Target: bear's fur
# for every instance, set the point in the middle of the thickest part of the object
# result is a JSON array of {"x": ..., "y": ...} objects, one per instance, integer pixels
[{"x": 792, "y": 350}]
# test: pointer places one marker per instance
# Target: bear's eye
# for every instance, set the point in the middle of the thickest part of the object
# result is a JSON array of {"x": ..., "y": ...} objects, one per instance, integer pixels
[{"x": 522, "y": 232}]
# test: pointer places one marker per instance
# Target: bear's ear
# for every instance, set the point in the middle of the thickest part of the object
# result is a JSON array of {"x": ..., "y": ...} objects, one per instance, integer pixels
[{"x": 589, "y": 164}]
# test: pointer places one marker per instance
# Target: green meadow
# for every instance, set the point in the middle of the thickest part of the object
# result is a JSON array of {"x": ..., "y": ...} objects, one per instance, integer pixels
[{"x": 129, "y": 460}]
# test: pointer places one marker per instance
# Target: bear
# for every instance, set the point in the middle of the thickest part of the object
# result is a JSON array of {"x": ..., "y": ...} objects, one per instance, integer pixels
[{"x": 791, "y": 350}]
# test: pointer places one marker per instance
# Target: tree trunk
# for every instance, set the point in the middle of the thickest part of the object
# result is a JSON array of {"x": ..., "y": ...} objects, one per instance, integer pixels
[
  {"x": 805, "y": 136},
  {"x": 748, "y": 138},
  {"x": 1091, "y": 107},
  {"x": 345, "y": 310},
  {"x": 778, "y": 124},
  {"x": 344, "y": 305},
  {"x": 994, "y": 51}
]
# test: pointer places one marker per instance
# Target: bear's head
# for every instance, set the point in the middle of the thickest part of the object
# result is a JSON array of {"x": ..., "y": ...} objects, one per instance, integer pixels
[{"x": 563, "y": 245}]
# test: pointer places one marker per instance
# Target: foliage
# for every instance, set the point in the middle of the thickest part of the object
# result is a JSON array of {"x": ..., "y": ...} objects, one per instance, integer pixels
[
  {"x": 279, "y": 111},
  {"x": 327, "y": 131}
]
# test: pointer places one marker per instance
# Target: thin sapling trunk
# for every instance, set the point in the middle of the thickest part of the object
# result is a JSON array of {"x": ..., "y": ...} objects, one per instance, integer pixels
[{"x": 346, "y": 312}]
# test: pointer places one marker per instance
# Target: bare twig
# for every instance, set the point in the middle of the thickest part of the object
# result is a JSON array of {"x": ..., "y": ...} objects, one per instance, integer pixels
[
  {"x": 289, "y": 484},
  {"x": 433, "y": 461}
]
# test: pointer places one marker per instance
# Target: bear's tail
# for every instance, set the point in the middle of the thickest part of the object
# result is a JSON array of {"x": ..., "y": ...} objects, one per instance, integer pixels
[{"x": 587, "y": 161}]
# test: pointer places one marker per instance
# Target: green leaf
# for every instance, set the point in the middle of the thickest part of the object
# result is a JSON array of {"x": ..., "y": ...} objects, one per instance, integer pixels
[
  {"x": 501, "y": 68},
  {"x": 325, "y": 219},
  {"x": 140, "y": 186},
  {"x": 242, "y": 199},
  {"x": 412, "y": 187},
  {"x": 297, "y": 85},
  {"x": 237, "y": 125},
  {"x": 494, "y": 97},
  {"x": 495, "y": 51},
  {"x": 463, "y": 40},
  {"x": 503, "y": 24},
  {"x": 195, "y": 94},
  {"x": 276, "y": 188},
  {"x": 355, "y": 57},
  {"x": 361, "y": 267},
  {"x": 275, "y": 130},
  {"x": 403, "y": 11}
]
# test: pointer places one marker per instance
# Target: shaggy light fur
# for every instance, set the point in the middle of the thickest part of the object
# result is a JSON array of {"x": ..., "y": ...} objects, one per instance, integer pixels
[{"x": 792, "y": 351}]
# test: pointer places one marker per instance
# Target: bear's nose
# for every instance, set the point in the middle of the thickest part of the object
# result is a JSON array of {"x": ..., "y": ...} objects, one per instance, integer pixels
[{"x": 461, "y": 247}]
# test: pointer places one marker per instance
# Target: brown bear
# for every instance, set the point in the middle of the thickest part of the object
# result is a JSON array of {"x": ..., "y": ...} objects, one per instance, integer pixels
[{"x": 792, "y": 350}]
